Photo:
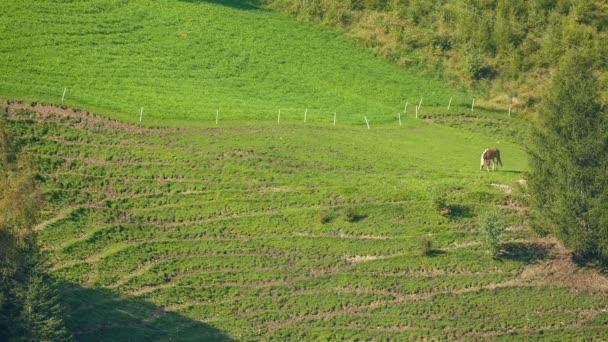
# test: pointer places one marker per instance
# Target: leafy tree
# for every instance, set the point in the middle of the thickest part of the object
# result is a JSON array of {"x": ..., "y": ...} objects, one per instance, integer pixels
[{"x": 568, "y": 180}]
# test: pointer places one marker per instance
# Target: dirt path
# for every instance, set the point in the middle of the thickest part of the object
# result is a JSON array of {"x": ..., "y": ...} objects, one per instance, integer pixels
[{"x": 84, "y": 119}]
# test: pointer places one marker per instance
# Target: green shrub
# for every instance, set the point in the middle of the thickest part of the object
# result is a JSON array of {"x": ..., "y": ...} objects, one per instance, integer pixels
[
  {"x": 440, "y": 202},
  {"x": 426, "y": 245},
  {"x": 352, "y": 215},
  {"x": 324, "y": 217},
  {"x": 492, "y": 226}
]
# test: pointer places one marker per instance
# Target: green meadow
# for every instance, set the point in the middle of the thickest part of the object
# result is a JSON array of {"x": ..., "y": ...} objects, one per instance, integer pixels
[
  {"x": 182, "y": 61},
  {"x": 178, "y": 228}
]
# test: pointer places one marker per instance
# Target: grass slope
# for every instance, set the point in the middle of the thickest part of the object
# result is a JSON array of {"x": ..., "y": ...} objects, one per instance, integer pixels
[
  {"x": 183, "y": 60},
  {"x": 290, "y": 233},
  {"x": 254, "y": 230}
]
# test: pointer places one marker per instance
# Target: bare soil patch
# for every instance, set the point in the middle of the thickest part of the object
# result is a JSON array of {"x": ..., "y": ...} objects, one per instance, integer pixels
[
  {"x": 560, "y": 270},
  {"x": 84, "y": 119}
]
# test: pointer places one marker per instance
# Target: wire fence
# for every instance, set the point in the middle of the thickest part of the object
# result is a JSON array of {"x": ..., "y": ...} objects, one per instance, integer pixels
[{"x": 205, "y": 115}]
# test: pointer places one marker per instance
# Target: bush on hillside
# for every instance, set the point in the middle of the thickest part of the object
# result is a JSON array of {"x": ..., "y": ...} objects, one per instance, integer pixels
[
  {"x": 426, "y": 246},
  {"x": 492, "y": 225}
]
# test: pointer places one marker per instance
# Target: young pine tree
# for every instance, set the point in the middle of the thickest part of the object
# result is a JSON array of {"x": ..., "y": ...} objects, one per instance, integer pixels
[
  {"x": 568, "y": 179},
  {"x": 29, "y": 303},
  {"x": 41, "y": 314}
]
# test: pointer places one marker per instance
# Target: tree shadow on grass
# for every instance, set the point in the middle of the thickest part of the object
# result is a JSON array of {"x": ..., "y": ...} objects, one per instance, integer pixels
[
  {"x": 435, "y": 252},
  {"x": 97, "y": 314},
  {"x": 459, "y": 211},
  {"x": 355, "y": 218},
  {"x": 237, "y": 4},
  {"x": 524, "y": 252},
  {"x": 511, "y": 171}
]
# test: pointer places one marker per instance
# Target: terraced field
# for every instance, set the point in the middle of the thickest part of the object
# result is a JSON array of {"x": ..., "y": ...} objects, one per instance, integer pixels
[
  {"x": 272, "y": 187},
  {"x": 294, "y": 233}
]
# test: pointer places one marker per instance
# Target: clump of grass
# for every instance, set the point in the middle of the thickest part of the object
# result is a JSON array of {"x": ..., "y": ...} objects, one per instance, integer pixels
[
  {"x": 324, "y": 217},
  {"x": 426, "y": 245},
  {"x": 352, "y": 215},
  {"x": 440, "y": 202}
]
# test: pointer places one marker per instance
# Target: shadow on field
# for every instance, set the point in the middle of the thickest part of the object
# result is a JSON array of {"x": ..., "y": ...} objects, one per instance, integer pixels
[
  {"x": 524, "y": 252},
  {"x": 435, "y": 252},
  {"x": 97, "y": 314},
  {"x": 459, "y": 211},
  {"x": 238, "y": 4},
  {"x": 512, "y": 171}
]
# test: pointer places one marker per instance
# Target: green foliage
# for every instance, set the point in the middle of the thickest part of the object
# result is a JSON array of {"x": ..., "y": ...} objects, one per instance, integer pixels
[
  {"x": 41, "y": 315},
  {"x": 352, "y": 215},
  {"x": 476, "y": 66},
  {"x": 440, "y": 201},
  {"x": 426, "y": 245},
  {"x": 324, "y": 217},
  {"x": 568, "y": 180},
  {"x": 490, "y": 45},
  {"x": 492, "y": 225},
  {"x": 215, "y": 234},
  {"x": 29, "y": 305},
  {"x": 19, "y": 196}
]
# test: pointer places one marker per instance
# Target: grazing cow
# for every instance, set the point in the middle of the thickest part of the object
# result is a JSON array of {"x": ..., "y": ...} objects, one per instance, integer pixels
[{"x": 490, "y": 155}]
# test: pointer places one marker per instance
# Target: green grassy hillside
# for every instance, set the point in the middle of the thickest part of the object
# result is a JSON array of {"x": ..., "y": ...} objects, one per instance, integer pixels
[
  {"x": 255, "y": 230},
  {"x": 293, "y": 233},
  {"x": 183, "y": 60}
]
